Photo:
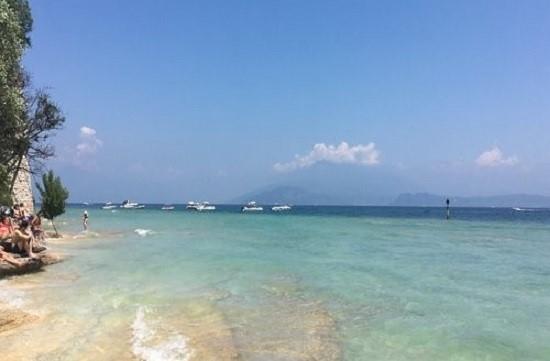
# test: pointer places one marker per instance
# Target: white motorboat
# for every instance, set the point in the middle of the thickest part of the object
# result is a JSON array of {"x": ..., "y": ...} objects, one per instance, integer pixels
[
  {"x": 168, "y": 208},
  {"x": 205, "y": 206},
  {"x": 192, "y": 205},
  {"x": 109, "y": 205},
  {"x": 130, "y": 205},
  {"x": 282, "y": 208},
  {"x": 251, "y": 207},
  {"x": 200, "y": 206}
]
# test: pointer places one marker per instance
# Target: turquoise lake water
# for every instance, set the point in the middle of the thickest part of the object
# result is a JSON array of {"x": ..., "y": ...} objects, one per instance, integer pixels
[{"x": 318, "y": 283}]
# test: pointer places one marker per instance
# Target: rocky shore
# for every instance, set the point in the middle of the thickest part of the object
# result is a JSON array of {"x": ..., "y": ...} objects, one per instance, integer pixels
[
  {"x": 10, "y": 317},
  {"x": 28, "y": 264}
]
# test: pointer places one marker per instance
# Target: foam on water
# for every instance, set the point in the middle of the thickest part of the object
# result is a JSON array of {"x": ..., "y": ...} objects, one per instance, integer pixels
[
  {"x": 517, "y": 209},
  {"x": 86, "y": 234},
  {"x": 174, "y": 348},
  {"x": 11, "y": 296},
  {"x": 143, "y": 232}
]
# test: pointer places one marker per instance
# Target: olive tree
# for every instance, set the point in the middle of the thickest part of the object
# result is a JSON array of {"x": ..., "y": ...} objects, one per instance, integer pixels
[{"x": 53, "y": 196}]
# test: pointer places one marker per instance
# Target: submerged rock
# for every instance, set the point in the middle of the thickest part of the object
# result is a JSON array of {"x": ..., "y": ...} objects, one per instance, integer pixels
[
  {"x": 13, "y": 318},
  {"x": 29, "y": 264},
  {"x": 50, "y": 234}
]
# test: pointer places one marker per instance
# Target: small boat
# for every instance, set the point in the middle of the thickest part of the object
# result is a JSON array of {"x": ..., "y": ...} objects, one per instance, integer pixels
[
  {"x": 192, "y": 205},
  {"x": 131, "y": 205},
  {"x": 109, "y": 205},
  {"x": 200, "y": 206},
  {"x": 205, "y": 206},
  {"x": 168, "y": 208},
  {"x": 251, "y": 207},
  {"x": 282, "y": 208}
]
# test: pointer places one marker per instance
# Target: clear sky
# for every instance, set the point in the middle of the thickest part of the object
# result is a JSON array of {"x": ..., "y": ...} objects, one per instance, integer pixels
[{"x": 169, "y": 101}]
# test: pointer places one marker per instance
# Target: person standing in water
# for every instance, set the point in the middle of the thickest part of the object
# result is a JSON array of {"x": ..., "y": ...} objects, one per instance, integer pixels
[
  {"x": 448, "y": 208},
  {"x": 85, "y": 218}
]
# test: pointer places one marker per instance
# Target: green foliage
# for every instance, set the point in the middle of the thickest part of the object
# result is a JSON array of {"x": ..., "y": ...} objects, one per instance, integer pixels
[
  {"x": 5, "y": 194},
  {"x": 11, "y": 51},
  {"x": 43, "y": 118},
  {"x": 53, "y": 196},
  {"x": 22, "y": 11},
  {"x": 12, "y": 101},
  {"x": 28, "y": 117}
]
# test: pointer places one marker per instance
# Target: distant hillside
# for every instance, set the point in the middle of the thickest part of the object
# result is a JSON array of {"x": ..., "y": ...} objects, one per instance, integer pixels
[
  {"x": 326, "y": 184},
  {"x": 511, "y": 200}
]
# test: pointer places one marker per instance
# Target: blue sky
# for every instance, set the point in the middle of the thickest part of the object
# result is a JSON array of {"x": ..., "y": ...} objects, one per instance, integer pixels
[{"x": 178, "y": 100}]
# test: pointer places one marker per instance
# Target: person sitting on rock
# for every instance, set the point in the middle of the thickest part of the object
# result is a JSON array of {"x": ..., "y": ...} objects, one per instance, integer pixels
[
  {"x": 6, "y": 227},
  {"x": 5, "y": 256},
  {"x": 23, "y": 239}
]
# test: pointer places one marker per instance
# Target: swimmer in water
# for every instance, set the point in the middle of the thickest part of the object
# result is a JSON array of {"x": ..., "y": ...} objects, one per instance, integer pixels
[{"x": 85, "y": 218}]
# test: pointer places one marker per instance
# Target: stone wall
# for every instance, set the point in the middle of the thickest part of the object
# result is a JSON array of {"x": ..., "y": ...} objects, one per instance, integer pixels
[{"x": 22, "y": 190}]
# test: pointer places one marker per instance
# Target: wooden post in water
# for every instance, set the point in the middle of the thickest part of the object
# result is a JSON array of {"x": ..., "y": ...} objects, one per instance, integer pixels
[{"x": 448, "y": 208}]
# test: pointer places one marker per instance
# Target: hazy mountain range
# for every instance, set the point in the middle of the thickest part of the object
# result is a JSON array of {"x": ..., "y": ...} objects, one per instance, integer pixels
[
  {"x": 300, "y": 196},
  {"x": 323, "y": 185},
  {"x": 377, "y": 186}
]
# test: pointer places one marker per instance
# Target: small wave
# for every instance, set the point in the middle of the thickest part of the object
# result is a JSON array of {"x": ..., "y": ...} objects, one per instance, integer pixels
[
  {"x": 173, "y": 349},
  {"x": 143, "y": 232},
  {"x": 11, "y": 296},
  {"x": 517, "y": 209},
  {"x": 86, "y": 234}
]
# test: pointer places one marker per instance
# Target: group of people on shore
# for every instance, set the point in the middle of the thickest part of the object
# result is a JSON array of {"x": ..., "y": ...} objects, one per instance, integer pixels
[{"x": 21, "y": 234}]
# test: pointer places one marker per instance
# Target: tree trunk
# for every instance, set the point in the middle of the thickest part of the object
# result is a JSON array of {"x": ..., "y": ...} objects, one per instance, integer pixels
[
  {"x": 15, "y": 174},
  {"x": 55, "y": 229}
]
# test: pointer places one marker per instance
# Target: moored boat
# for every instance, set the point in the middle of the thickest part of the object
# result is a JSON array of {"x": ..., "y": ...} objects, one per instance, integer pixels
[
  {"x": 200, "y": 206},
  {"x": 251, "y": 207},
  {"x": 127, "y": 204},
  {"x": 109, "y": 205},
  {"x": 282, "y": 208},
  {"x": 192, "y": 205}
]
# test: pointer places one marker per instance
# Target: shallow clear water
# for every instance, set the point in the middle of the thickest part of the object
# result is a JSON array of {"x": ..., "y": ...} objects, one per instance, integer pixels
[{"x": 319, "y": 283}]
